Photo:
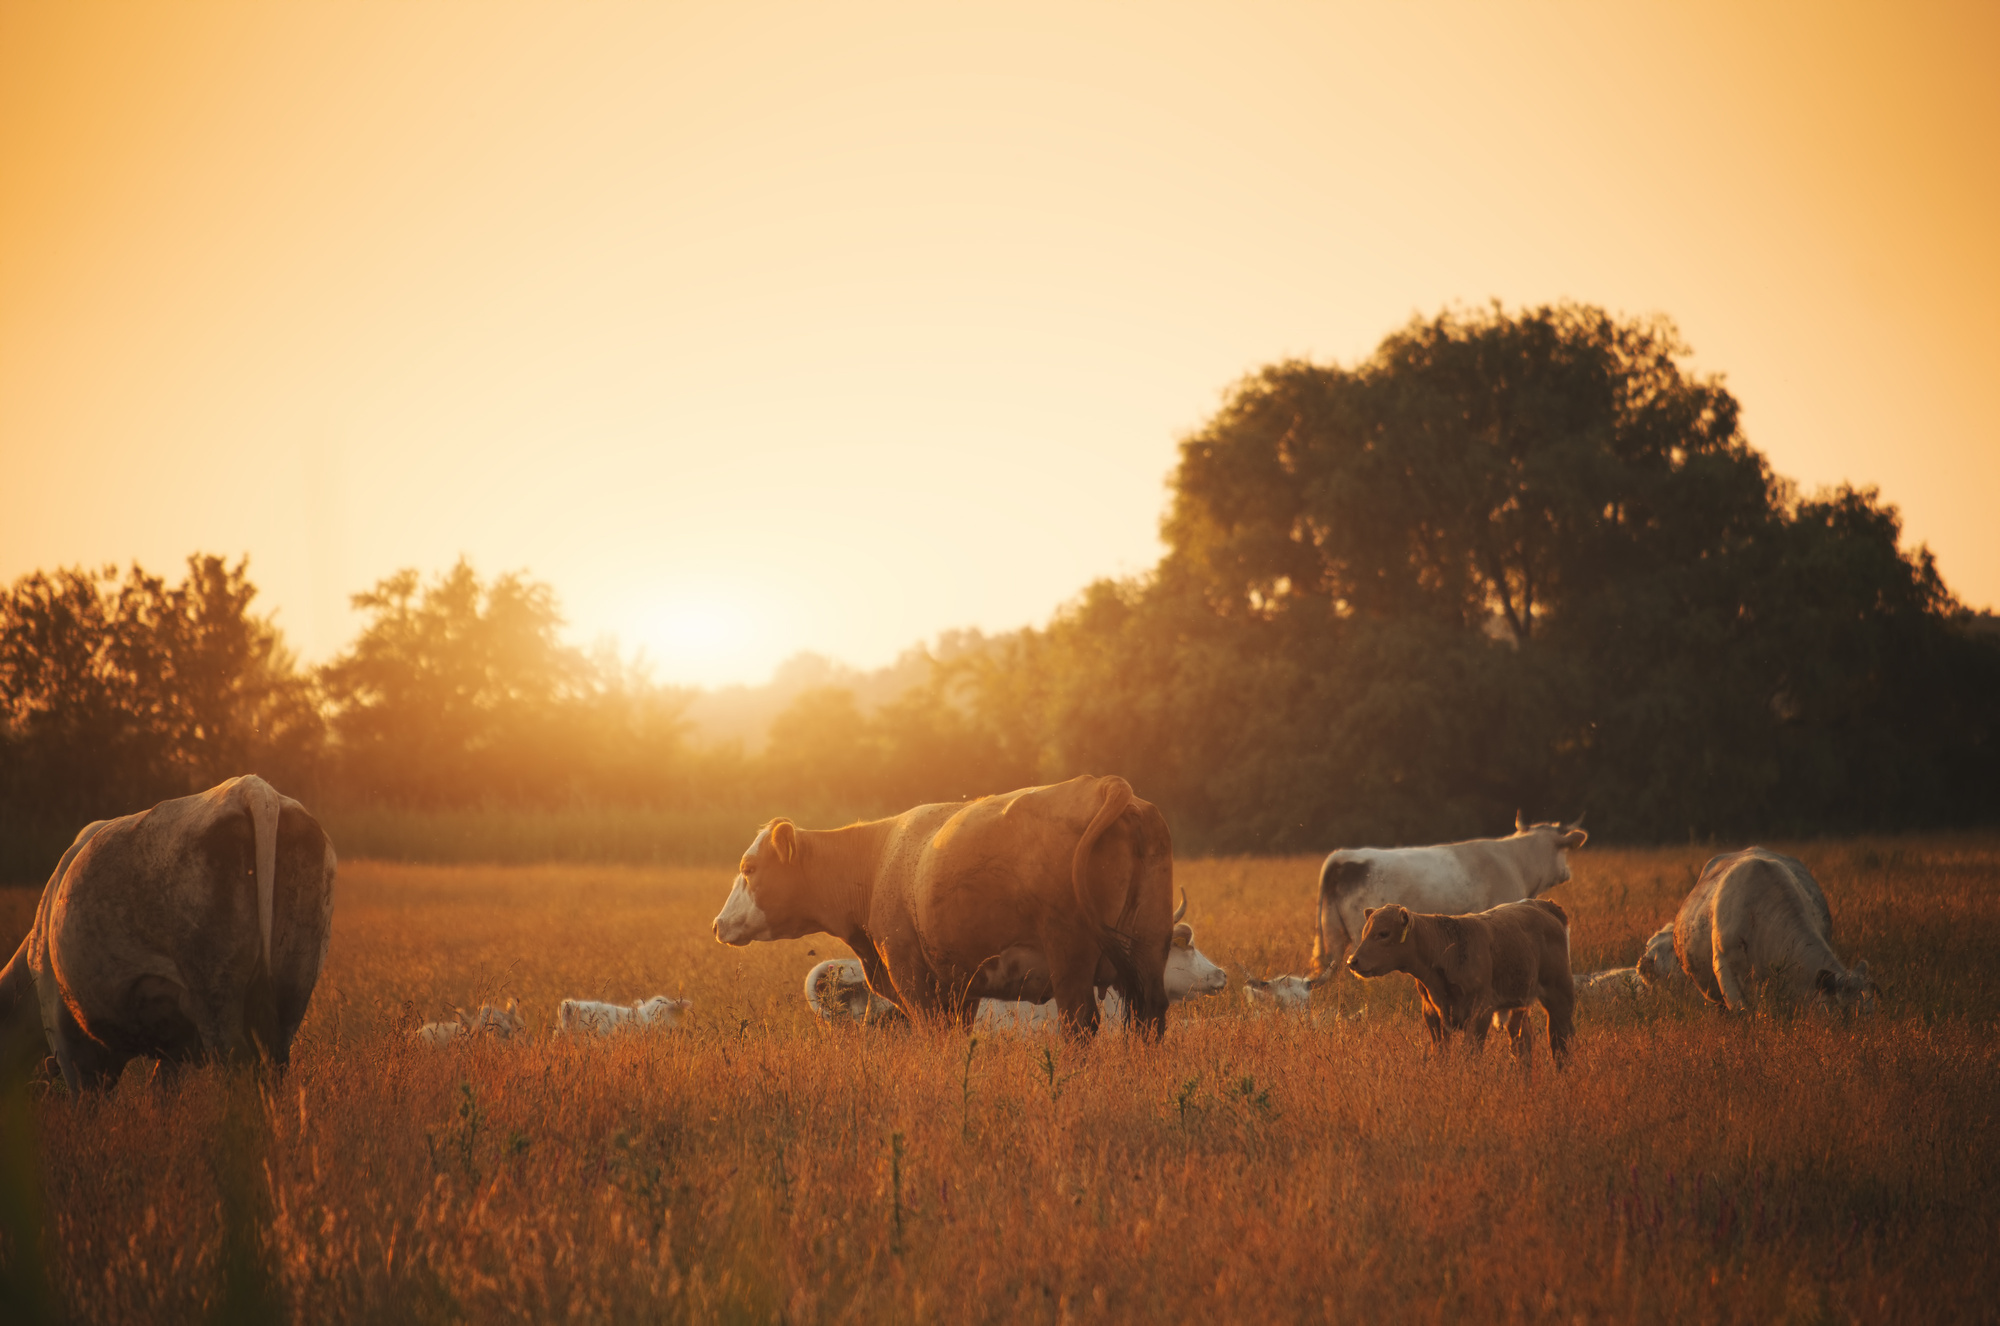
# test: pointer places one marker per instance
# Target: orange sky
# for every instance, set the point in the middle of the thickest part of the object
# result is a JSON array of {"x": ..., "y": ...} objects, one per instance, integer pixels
[{"x": 764, "y": 328}]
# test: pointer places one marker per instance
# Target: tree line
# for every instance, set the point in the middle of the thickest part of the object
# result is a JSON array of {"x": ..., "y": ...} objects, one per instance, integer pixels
[{"x": 1510, "y": 561}]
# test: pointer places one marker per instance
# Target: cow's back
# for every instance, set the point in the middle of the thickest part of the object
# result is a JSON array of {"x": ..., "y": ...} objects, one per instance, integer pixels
[{"x": 1762, "y": 901}]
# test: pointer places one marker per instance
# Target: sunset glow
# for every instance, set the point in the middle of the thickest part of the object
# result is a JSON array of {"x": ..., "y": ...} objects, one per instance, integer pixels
[{"x": 857, "y": 324}]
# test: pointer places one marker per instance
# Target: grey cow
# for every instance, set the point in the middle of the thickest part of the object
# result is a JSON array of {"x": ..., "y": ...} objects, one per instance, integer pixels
[{"x": 192, "y": 930}]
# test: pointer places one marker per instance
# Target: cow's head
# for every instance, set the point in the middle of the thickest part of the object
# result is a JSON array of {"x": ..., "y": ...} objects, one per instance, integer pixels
[
  {"x": 1385, "y": 941},
  {"x": 1553, "y": 842},
  {"x": 1658, "y": 964},
  {"x": 497, "y": 1022},
  {"x": 1189, "y": 972},
  {"x": 1850, "y": 991},
  {"x": 1293, "y": 992},
  {"x": 767, "y": 899}
]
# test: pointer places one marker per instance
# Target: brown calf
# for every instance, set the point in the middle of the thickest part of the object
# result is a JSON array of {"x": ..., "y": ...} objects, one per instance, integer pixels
[{"x": 1473, "y": 968}]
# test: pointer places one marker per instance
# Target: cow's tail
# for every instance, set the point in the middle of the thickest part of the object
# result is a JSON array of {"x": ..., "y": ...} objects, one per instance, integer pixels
[
  {"x": 263, "y": 802},
  {"x": 1336, "y": 877},
  {"x": 1113, "y": 942}
]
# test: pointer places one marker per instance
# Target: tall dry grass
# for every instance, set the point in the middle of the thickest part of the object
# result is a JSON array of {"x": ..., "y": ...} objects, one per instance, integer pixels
[{"x": 757, "y": 1166}]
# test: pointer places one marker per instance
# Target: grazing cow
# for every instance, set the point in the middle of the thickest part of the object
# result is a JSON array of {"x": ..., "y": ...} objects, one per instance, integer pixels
[
  {"x": 578, "y": 1016},
  {"x": 1453, "y": 879},
  {"x": 499, "y": 1023},
  {"x": 1043, "y": 893},
  {"x": 1288, "y": 993},
  {"x": 1189, "y": 975},
  {"x": 1758, "y": 915},
  {"x": 1472, "y": 968},
  {"x": 192, "y": 930}
]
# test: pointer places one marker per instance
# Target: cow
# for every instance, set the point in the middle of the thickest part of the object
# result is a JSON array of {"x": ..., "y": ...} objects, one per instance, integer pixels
[
  {"x": 192, "y": 930},
  {"x": 1659, "y": 966},
  {"x": 1757, "y": 915},
  {"x": 1288, "y": 993},
  {"x": 1453, "y": 879},
  {"x": 1605, "y": 986},
  {"x": 840, "y": 987},
  {"x": 1043, "y": 893},
  {"x": 1189, "y": 975},
  {"x": 1471, "y": 969},
  {"x": 498, "y": 1023},
  {"x": 578, "y": 1016}
]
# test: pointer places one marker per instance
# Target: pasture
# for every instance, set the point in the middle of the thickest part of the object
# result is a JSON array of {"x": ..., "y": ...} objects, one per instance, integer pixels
[{"x": 755, "y": 1165}]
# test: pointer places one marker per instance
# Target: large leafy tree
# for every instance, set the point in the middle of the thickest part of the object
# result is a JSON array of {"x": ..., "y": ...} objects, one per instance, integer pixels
[{"x": 1512, "y": 560}]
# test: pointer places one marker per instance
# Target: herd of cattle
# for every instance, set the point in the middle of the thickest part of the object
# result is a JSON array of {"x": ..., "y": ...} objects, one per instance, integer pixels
[{"x": 197, "y": 930}]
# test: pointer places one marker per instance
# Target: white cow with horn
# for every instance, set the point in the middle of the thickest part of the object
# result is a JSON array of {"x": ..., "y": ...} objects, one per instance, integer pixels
[{"x": 1451, "y": 879}]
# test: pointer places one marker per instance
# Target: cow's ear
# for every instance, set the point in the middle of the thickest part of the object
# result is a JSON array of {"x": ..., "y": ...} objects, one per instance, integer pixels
[
  {"x": 1574, "y": 838},
  {"x": 1825, "y": 982},
  {"x": 1520, "y": 822},
  {"x": 784, "y": 840},
  {"x": 1183, "y": 935}
]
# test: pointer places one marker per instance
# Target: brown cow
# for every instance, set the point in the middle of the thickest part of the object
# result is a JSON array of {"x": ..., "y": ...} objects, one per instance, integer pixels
[
  {"x": 1045, "y": 893},
  {"x": 1473, "y": 968}
]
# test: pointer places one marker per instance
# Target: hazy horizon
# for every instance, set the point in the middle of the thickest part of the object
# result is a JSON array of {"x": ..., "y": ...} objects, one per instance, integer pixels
[{"x": 778, "y": 330}]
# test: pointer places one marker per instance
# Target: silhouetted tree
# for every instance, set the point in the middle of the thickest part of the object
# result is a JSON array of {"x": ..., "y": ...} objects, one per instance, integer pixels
[{"x": 116, "y": 694}]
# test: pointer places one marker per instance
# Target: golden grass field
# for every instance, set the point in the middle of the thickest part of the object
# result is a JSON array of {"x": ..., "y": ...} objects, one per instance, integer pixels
[{"x": 754, "y": 1165}]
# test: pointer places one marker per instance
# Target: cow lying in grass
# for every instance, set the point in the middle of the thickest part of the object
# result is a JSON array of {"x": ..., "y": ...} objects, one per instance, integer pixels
[
  {"x": 1600, "y": 987},
  {"x": 838, "y": 990},
  {"x": 575, "y": 1017},
  {"x": 1288, "y": 993},
  {"x": 1473, "y": 968},
  {"x": 499, "y": 1023}
]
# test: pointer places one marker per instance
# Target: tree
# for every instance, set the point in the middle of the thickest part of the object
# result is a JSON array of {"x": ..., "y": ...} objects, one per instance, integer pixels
[
  {"x": 116, "y": 694},
  {"x": 1510, "y": 561}
]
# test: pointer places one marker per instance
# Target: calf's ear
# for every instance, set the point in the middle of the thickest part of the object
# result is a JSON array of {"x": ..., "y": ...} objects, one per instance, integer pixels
[{"x": 784, "y": 840}]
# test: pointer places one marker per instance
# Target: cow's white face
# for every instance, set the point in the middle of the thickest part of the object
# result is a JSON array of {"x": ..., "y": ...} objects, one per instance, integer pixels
[
  {"x": 1189, "y": 972},
  {"x": 1558, "y": 839},
  {"x": 1280, "y": 991},
  {"x": 741, "y": 921}
]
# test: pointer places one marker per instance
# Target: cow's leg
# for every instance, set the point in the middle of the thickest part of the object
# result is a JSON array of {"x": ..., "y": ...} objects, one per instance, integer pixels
[
  {"x": 1073, "y": 960},
  {"x": 1434, "y": 1021},
  {"x": 1561, "y": 1006},
  {"x": 1517, "y": 1034},
  {"x": 1476, "y": 1028},
  {"x": 1732, "y": 973}
]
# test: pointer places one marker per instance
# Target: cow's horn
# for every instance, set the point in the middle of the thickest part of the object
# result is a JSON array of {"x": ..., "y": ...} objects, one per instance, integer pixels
[
  {"x": 1520, "y": 822},
  {"x": 1181, "y": 910},
  {"x": 1576, "y": 823}
]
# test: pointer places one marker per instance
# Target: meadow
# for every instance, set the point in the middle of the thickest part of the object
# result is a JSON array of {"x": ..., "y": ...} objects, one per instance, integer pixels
[{"x": 754, "y": 1165}]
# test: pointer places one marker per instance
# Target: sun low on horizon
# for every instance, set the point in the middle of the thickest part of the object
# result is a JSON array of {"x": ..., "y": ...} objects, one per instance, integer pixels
[{"x": 761, "y": 329}]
